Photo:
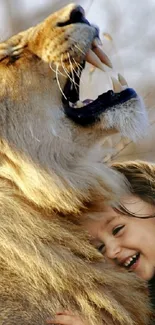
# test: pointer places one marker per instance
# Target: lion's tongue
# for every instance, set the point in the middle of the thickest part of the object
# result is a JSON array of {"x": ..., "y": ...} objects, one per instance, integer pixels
[
  {"x": 87, "y": 101},
  {"x": 80, "y": 103}
]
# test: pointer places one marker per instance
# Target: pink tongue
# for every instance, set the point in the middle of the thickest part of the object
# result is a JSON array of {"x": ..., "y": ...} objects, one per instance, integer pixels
[{"x": 87, "y": 101}]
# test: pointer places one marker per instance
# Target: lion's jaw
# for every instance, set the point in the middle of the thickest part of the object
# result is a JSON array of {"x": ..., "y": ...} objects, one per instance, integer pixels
[
  {"x": 37, "y": 91},
  {"x": 36, "y": 119}
]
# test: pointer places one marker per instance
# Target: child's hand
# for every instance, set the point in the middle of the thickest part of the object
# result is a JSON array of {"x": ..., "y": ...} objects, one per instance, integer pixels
[{"x": 66, "y": 318}]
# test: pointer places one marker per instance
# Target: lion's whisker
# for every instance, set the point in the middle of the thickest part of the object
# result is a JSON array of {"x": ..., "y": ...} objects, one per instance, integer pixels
[
  {"x": 72, "y": 69},
  {"x": 71, "y": 66},
  {"x": 67, "y": 73},
  {"x": 65, "y": 69},
  {"x": 79, "y": 66},
  {"x": 58, "y": 71},
  {"x": 80, "y": 49},
  {"x": 77, "y": 46},
  {"x": 57, "y": 78},
  {"x": 78, "y": 73}
]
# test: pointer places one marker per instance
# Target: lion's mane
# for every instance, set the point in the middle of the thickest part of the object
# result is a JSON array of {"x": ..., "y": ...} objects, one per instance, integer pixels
[{"x": 50, "y": 168}]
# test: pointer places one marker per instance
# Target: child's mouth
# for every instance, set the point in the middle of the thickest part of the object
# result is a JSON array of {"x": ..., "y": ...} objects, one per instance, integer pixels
[{"x": 132, "y": 262}]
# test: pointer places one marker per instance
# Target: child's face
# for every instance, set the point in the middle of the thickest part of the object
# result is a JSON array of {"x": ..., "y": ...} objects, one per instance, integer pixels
[{"x": 128, "y": 241}]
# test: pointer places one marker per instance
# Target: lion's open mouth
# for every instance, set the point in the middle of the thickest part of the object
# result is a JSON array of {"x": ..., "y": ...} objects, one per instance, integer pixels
[{"x": 88, "y": 111}]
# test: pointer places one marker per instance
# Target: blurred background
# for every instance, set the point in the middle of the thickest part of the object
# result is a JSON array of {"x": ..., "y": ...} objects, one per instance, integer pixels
[{"x": 127, "y": 30}]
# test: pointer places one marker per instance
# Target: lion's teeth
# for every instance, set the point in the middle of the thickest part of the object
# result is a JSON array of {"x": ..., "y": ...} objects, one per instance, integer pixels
[
  {"x": 92, "y": 58},
  {"x": 96, "y": 42},
  {"x": 71, "y": 104},
  {"x": 102, "y": 56},
  {"x": 79, "y": 104},
  {"x": 117, "y": 87},
  {"x": 122, "y": 80}
]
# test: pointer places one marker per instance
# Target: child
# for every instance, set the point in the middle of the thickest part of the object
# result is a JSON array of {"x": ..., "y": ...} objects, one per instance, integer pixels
[{"x": 126, "y": 234}]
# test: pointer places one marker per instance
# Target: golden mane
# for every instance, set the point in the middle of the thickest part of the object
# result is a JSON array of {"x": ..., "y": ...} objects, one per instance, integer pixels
[{"x": 51, "y": 167}]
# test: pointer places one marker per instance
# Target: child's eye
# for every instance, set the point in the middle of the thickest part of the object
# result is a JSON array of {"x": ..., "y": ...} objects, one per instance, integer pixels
[
  {"x": 101, "y": 248},
  {"x": 117, "y": 229}
]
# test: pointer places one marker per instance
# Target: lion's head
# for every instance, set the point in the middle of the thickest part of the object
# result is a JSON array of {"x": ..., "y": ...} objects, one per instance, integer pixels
[
  {"x": 51, "y": 165},
  {"x": 40, "y": 71}
]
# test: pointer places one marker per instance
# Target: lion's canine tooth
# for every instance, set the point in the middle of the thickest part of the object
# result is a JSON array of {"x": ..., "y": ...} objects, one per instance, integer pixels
[
  {"x": 122, "y": 80},
  {"x": 117, "y": 87},
  {"x": 107, "y": 36},
  {"x": 96, "y": 42},
  {"x": 71, "y": 104},
  {"x": 92, "y": 58},
  {"x": 102, "y": 56},
  {"x": 79, "y": 104}
]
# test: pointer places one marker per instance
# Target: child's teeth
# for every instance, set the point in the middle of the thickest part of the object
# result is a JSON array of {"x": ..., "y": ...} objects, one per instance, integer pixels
[{"x": 127, "y": 263}]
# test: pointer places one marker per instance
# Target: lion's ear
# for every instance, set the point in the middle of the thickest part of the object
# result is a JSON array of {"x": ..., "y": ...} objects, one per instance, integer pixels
[{"x": 15, "y": 45}]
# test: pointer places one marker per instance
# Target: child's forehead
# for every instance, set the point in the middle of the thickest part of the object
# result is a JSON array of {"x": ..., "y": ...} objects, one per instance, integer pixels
[
  {"x": 107, "y": 216},
  {"x": 103, "y": 215},
  {"x": 110, "y": 214},
  {"x": 99, "y": 222}
]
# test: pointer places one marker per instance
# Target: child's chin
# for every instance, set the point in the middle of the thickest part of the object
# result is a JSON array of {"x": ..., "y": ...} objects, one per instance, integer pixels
[{"x": 147, "y": 276}]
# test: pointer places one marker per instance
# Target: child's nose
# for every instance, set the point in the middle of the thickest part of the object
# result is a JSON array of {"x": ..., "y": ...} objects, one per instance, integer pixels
[{"x": 112, "y": 250}]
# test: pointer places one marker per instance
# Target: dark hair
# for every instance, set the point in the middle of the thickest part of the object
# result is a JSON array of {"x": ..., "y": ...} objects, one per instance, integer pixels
[{"x": 141, "y": 178}]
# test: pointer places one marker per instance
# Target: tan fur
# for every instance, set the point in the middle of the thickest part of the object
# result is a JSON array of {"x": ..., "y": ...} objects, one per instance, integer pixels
[{"x": 50, "y": 169}]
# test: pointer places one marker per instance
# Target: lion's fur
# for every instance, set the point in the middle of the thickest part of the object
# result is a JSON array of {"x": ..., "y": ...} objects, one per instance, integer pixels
[{"x": 49, "y": 170}]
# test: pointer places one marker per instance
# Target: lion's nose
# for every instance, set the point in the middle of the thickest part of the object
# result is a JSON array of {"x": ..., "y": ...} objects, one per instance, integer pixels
[{"x": 77, "y": 15}]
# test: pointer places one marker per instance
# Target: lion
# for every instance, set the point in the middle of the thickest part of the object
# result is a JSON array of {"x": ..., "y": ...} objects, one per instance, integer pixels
[{"x": 51, "y": 168}]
